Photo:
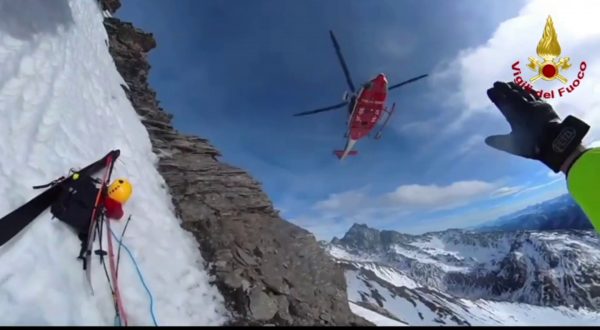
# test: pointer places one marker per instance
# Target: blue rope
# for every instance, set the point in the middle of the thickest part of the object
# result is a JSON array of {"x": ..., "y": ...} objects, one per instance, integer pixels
[{"x": 139, "y": 275}]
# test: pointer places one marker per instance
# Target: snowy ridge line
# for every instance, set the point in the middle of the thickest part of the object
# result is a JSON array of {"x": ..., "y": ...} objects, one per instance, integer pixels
[
  {"x": 62, "y": 105},
  {"x": 460, "y": 277},
  {"x": 382, "y": 271},
  {"x": 423, "y": 306}
]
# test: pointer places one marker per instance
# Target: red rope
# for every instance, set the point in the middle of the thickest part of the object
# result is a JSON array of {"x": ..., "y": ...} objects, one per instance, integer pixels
[{"x": 113, "y": 273}]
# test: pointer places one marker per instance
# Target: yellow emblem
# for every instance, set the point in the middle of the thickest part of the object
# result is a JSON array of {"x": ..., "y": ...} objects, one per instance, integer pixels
[{"x": 549, "y": 50}]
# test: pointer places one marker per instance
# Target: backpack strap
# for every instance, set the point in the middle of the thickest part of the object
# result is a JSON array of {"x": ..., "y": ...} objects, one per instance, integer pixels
[
  {"x": 83, "y": 238},
  {"x": 84, "y": 242},
  {"x": 52, "y": 183},
  {"x": 72, "y": 172}
]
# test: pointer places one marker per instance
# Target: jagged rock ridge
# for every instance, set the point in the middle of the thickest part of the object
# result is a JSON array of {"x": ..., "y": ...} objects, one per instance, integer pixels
[
  {"x": 548, "y": 268},
  {"x": 458, "y": 277},
  {"x": 269, "y": 270}
]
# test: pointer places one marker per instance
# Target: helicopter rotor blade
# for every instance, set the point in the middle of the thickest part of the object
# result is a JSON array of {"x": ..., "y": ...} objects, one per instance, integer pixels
[
  {"x": 342, "y": 62},
  {"x": 333, "y": 107},
  {"x": 407, "y": 81}
]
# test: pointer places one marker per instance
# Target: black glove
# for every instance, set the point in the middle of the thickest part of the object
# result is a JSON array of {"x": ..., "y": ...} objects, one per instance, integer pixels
[{"x": 537, "y": 132}]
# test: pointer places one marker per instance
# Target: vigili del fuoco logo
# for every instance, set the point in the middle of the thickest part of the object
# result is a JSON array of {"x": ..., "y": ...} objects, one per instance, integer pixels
[{"x": 549, "y": 66}]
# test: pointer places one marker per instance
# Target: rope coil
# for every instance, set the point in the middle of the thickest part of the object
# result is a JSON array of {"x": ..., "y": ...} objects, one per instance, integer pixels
[{"x": 139, "y": 272}]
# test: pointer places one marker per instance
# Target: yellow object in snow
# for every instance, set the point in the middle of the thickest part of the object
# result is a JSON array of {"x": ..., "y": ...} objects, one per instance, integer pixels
[{"x": 120, "y": 190}]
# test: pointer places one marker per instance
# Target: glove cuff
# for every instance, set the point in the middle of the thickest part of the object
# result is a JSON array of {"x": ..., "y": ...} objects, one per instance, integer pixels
[{"x": 561, "y": 141}]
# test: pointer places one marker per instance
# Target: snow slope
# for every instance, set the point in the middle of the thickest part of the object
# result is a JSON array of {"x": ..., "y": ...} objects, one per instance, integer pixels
[
  {"x": 376, "y": 318},
  {"x": 385, "y": 302},
  {"x": 62, "y": 107},
  {"x": 425, "y": 306},
  {"x": 457, "y": 277},
  {"x": 547, "y": 268}
]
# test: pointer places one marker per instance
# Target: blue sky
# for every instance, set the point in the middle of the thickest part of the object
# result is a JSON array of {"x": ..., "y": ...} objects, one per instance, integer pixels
[{"x": 235, "y": 71}]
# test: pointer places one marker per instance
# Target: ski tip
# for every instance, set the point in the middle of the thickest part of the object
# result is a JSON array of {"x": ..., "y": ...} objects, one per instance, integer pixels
[{"x": 114, "y": 153}]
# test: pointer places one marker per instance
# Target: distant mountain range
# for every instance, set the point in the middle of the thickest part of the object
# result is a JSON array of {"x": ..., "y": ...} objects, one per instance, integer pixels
[
  {"x": 555, "y": 214},
  {"x": 538, "y": 266},
  {"x": 459, "y": 277}
]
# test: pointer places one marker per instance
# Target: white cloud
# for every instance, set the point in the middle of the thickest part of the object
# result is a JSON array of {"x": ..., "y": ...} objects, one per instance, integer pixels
[
  {"x": 507, "y": 191},
  {"x": 578, "y": 32},
  {"x": 328, "y": 223},
  {"x": 417, "y": 128},
  {"x": 473, "y": 141},
  {"x": 434, "y": 196},
  {"x": 406, "y": 199},
  {"x": 559, "y": 178},
  {"x": 345, "y": 201},
  {"x": 480, "y": 216},
  {"x": 473, "y": 71}
]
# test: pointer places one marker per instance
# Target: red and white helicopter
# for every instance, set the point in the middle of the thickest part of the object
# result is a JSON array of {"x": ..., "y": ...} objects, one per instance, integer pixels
[{"x": 365, "y": 108}]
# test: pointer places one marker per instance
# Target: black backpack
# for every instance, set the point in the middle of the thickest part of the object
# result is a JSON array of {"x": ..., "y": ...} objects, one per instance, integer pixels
[
  {"x": 75, "y": 203},
  {"x": 74, "y": 206}
]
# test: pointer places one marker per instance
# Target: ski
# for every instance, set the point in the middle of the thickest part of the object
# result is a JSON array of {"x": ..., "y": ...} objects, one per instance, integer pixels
[
  {"x": 96, "y": 213},
  {"x": 12, "y": 223}
]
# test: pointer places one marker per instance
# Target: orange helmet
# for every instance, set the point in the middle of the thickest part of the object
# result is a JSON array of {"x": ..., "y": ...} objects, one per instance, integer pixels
[{"x": 120, "y": 190}]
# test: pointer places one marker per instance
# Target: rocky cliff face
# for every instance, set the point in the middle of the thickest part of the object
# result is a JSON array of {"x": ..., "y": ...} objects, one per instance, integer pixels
[{"x": 269, "y": 270}]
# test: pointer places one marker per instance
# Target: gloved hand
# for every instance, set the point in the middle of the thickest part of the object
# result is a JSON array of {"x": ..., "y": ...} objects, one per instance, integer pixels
[{"x": 537, "y": 132}]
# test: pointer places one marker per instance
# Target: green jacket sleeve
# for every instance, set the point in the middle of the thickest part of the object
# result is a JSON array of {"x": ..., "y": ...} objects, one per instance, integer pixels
[{"x": 583, "y": 181}]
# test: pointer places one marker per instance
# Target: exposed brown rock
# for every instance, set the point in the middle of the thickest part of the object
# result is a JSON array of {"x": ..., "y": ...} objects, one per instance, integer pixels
[
  {"x": 110, "y": 5},
  {"x": 271, "y": 272}
]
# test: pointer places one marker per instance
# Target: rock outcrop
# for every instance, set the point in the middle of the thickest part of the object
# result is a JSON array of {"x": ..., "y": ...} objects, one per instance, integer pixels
[{"x": 270, "y": 271}]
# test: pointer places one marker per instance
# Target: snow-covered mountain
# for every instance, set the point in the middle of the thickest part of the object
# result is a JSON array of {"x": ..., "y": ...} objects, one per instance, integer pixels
[
  {"x": 559, "y": 213},
  {"x": 462, "y": 277}
]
